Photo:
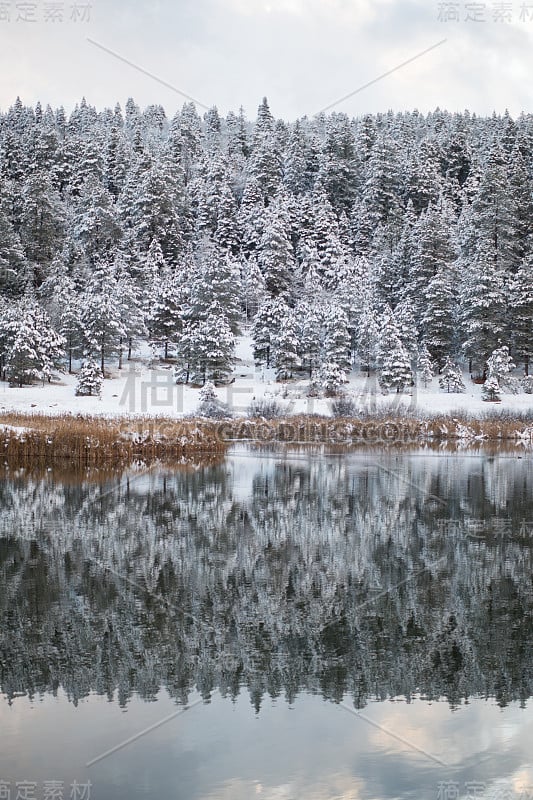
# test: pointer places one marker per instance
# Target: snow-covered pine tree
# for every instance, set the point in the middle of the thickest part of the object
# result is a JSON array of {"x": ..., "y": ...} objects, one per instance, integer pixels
[
  {"x": 439, "y": 315},
  {"x": 368, "y": 338},
  {"x": 407, "y": 329},
  {"x": 210, "y": 406},
  {"x": 490, "y": 391},
  {"x": 101, "y": 318},
  {"x": 337, "y": 339},
  {"x": 32, "y": 348},
  {"x": 331, "y": 378},
  {"x": 425, "y": 365},
  {"x": 483, "y": 309},
  {"x": 521, "y": 312},
  {"x": 451, "y": 379},
  {"x": 89, "y": 382},
  {"x": 276, "y": 255},
  {"x": 131, "y": 312},
  {"x": 287, "y": 358},
  {"x": 396, "y": 372},
  {"x": 206, "y": 349},
  {"x": 253, "y": 287},
  {"x": 265, "y": 329},
  {"x": 310, "y": 322},
  {"x": 500, "y": 365},
  {"x": 14, "y": 271}
]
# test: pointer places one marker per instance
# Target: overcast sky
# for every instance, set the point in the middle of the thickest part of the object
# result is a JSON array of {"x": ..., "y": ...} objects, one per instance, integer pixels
[{"x": 302, "y": 54}]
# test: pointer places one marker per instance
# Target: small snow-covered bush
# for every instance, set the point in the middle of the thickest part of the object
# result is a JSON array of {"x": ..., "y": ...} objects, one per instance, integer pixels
[
  {"x": 344, "y": 406},
  {"x": 210, "y": 406},
  {"x": 511, "y": 385},
  {"x": 527, "y": 384},
  {"x": 89, "y": 379},
  {"x": 267, "y": 409}
]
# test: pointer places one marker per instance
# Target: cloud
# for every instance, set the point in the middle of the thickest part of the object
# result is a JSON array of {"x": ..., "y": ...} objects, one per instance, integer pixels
[{"x": 302, "y": 54}]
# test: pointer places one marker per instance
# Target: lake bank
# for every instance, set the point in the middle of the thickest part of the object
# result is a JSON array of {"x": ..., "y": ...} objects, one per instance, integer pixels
[{"x": 39, "y": 439}]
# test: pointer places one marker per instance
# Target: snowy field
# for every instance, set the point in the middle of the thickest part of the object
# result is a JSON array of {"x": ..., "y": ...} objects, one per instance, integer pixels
[{"x": 141, "y": 388}]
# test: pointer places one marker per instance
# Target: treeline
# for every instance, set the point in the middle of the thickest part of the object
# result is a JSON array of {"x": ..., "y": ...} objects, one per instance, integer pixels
[{"x": 392, "y": 242}]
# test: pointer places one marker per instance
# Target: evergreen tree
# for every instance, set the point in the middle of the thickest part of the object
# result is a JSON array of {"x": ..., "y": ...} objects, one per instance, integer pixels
[
  {"x": 101, "y": 319},
  {"x": 368, "y": 338},
  {"x": 276, "y": 255},
  {"x": 439, "y": 317},
  {"x": 425, "y": 365},
  {"x": 491, "y": 390},
  {"x": 165, "y": 317},
  {"x": 265, "y": 329},
  {"x": 337, "y": 338},
  {"x": 331, "y": 378},
  {"x": 451, "y": 379},
  {"x": 483, "y": 309},
  {"x": 500, "y": 365},
  {"x": 89, "y": 379},
  {"x": 287, "y": 359},
  {"x": 521, "y": 311},
  {"x": 396, "y": 372}
]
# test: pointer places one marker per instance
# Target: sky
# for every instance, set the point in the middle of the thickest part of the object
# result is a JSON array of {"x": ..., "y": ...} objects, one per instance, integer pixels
[{"x": 304, "y": 55}]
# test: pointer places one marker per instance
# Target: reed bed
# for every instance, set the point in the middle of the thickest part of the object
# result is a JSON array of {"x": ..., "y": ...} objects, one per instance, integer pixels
[{"x": 96, "y": 442}]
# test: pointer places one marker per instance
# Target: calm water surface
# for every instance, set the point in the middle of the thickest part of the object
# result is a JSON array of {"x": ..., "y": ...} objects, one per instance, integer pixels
[{"x": 282, "y": 625}]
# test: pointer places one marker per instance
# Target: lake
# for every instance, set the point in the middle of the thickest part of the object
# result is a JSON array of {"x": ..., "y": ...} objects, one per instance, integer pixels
[{"x": 283, "y": 624}]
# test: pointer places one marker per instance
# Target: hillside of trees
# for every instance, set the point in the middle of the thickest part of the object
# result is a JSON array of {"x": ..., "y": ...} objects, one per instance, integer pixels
[{"x": 387, "y": 243}]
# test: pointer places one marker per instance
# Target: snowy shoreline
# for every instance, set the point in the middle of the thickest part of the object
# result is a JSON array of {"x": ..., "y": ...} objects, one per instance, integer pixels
[{"x": 91, "y": 441}]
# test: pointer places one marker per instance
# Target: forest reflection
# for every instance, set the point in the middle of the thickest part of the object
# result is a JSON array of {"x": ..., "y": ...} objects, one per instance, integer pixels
[{"x": 373, "y": 574}]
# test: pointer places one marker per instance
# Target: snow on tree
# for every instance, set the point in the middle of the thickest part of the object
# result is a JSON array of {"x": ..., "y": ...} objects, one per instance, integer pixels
[
  {"x": 96, "y": 224},
  {"x": 310, "y": 324},
  {"x": 287, "y": 359},
  {"x": 389, "y": 335},
  {"x": 331, "y": 378},
  {"x": 253, "y": 287},
  {"x": 61, "y": 301},
  {"x": 131, "y": 311},
  {"x": 432, "y": 252},
  {"x": 265, "y": 329},
  {"x": 407, "y": 329},
  {"x": 521, "y": 310},
  {"x": 425, "y": 365},
  {"x": 32, "y": 348},
  {"x": 451, "y": 378},
  {"x": 14, "y": 271},
  {"x": 395, "y": 372},
  {"x": 89, "y": 382},
  {"x": 42, "y": 222},
  {"x": 438, "y": 319},
  {"x": 500, "y": 365},
  {"x": 429, "y": 213},
  {"x": 368, "y": 338},
  {"x": 275, "y": 254},
  {"x": 206, "y": 350},
  {"x": 165, "y": 316},
  {"x": 490, "y": 391},
  {"x": 101, "y": 318},
  {"x": 337, "y": 339},
  {"x": 483, "y": 309},
  {"x": 210, "y": 406},
  {"x": 215, "y": 280}
]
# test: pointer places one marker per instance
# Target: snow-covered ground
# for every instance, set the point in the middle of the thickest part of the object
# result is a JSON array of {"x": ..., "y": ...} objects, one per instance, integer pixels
[{"x": 139, "y": 389}]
